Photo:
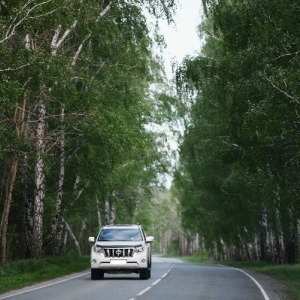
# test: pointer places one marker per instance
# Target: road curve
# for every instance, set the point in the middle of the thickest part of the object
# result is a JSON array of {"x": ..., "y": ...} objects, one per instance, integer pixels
[{"x": 171, "y": 279}]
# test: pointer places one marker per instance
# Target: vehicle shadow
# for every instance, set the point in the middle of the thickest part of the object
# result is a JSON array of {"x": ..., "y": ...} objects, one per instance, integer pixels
[{"x": 115, "y": 277}]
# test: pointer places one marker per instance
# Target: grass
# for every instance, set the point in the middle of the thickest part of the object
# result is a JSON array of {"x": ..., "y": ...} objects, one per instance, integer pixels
[
  {"x": 22, "y": 273},
  {"x": 287, "y": 274}
]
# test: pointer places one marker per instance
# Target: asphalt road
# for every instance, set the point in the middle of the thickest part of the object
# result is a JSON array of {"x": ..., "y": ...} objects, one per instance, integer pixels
[{"x": 171, "y": 279}]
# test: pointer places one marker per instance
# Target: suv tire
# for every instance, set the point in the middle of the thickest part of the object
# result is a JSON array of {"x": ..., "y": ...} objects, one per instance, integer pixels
[
  {"x": 97, "y": 274},
  {"x": 145, "y": 273}
]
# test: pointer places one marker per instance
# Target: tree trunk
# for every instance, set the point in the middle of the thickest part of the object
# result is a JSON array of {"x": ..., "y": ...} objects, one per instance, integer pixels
[
  {"x": 4, "y": 222},
  {"x": 27, "y": 200},
  {"x": 81, "y": 233},
  {"x": 110, "y": 212},
  {"x": 73, "y": 236},
  {"x": 107, "y": 212},
  {"x": 263, "y": 239},
  {"x": 19, "y": 126},
  {"x": 59, "y": 244},
  {"x": 98, "y": 213},
  {"x": 113, "y": 214},
  {"x": 37, "y": 235},
  {"x": 55, "y": 238}
]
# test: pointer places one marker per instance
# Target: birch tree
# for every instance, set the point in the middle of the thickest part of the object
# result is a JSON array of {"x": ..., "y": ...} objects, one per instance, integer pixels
[
  {"x": 85, "y": 67},
  {"x": 240, "y": 149}
]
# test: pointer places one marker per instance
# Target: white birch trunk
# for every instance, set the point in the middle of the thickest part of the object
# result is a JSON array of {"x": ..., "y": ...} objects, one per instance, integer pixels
[
  {"x": 113, "y": 214},
  {"x": 37, "y": 235},
  {"x": 65, "y": 239},
  {"x": 59, "y": 244},
  {"x": 110, "y": 212},
  {"x": 73, "y": 236},
  {"x": 55, "y": 230},
  {"x": 107, "y": 212},
  {"x": 98, "y": 213}
]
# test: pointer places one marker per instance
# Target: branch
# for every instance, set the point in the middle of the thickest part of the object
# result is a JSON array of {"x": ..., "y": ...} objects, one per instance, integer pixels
[
  {"x": 286, "y": 54},
  {"x": 105, "y": 10},
  {"x": 55, "y": 36},
  {"x": 12, "y": 28},
  {"x": 79, "y": 50},
  {"x": 27, "y": 42},
  {"x": 14, "y": 69},
  {"x": 212, "y": 35},
  {"x": 55, "y": 44},
  {"x": 100, "y": 67},
  {"x": 280, "y": 90},
  {"x": 102, "y": 14}
]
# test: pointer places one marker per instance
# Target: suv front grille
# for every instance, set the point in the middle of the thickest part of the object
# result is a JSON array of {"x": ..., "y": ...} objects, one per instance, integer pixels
[{"x": 118, "y": 252}]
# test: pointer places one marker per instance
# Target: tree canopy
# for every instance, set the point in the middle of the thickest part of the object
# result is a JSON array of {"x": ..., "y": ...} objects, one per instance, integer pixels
[
  {"x": 239, "y": 169},
  {"x": 75, "y": 152}
]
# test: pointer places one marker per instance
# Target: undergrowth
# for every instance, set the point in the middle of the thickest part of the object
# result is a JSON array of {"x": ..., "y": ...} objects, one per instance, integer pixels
[{"x": 25, "y": 272}]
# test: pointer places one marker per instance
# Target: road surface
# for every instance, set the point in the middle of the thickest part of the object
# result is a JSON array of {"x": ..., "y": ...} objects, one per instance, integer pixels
[{"x": 171, "y": 279}]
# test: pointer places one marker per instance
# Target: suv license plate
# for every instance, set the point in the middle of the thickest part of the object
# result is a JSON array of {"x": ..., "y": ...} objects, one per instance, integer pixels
[{"x": 118, "y": 261}]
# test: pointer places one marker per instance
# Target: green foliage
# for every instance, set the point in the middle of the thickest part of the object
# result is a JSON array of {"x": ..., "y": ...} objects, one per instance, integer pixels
[
  {"x": 99, "y": 74},
  {"x": 240, "y": 148},
  {"x": 22, "y": 273}
]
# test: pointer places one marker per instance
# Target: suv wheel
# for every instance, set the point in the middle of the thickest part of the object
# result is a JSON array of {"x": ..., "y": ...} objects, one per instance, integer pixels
[
  {"x": 97, "y": 274},
  {"x": 145, "y": 273}
]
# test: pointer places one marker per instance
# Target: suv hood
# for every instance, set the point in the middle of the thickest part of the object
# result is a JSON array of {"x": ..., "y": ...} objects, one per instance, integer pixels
[{"x": 119, "y": 244}]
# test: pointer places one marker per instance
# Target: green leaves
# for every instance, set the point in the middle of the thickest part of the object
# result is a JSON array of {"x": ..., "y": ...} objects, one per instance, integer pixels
[
  {"x": 94, "y": 59},
  {"x": 242, "y": 143}
]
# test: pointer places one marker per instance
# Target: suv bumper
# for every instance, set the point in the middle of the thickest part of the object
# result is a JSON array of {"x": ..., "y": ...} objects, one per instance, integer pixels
[{"x": 138, "y": 261}]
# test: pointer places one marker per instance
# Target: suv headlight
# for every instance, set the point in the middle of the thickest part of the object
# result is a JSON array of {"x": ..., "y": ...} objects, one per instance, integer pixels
[
  {"x": 140, "y": 248},
  {"x": 98, "y": 249}
]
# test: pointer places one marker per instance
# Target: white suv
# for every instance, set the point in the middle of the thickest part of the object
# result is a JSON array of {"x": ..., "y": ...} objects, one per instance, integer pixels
[{"x": 121, "y": 249}]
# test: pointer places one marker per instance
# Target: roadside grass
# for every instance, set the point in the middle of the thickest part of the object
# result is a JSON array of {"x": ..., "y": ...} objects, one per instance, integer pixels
[
  {"x": 286, "y": 273},
  {"x": 20, "y": 273}
]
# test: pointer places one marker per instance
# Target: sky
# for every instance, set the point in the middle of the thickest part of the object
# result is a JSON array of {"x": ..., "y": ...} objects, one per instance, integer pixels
[{"x": 182, "y": 38}]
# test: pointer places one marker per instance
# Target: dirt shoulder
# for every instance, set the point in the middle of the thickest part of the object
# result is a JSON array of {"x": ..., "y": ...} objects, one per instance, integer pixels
[{"x": 276, "y": 290}]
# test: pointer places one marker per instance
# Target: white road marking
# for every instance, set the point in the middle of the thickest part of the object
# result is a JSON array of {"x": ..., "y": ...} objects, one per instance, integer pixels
[
  {"x": 42, "y": 286},
  {"x": 166, "y": 274},
  {"x": 156, "y": 282},
  {"x": 144, "y": 291},
  {"x": 153, "y": 284},
  {"x": 266, "y": 297}
]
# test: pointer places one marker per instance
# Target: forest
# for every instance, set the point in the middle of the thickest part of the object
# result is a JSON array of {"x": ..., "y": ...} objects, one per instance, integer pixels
[
  {"x": 239, "y": 172},
  {"x": 82, "y": 90},
  {"x": 75, "y": 97}
]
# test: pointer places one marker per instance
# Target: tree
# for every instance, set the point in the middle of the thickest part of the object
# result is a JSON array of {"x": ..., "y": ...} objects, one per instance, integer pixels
[
  {"x": 243, "y": 125},
  {"x": 85, "y": 68}
]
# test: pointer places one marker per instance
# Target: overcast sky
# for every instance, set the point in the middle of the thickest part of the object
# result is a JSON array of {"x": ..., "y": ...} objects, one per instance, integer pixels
[{"x": 182, "y": 39}]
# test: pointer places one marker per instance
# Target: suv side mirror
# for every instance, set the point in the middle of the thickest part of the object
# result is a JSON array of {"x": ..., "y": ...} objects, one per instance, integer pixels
[
  {"x": 149, "y": 239},
  {"x": 91, "y": 239}
]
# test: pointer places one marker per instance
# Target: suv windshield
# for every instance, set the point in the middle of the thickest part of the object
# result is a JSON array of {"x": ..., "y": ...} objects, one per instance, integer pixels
[{"x": 117, "y": 234}]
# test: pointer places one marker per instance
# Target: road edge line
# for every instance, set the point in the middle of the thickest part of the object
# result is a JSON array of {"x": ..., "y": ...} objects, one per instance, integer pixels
[
  {"x": 266, "y": 297},
  {"x": 39, "y": 287}
]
